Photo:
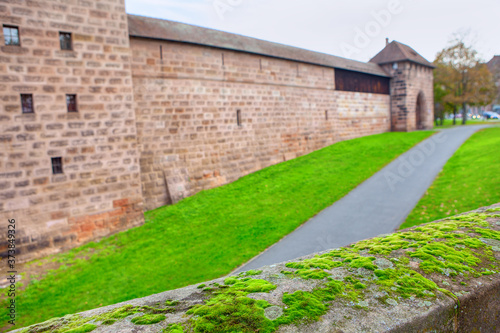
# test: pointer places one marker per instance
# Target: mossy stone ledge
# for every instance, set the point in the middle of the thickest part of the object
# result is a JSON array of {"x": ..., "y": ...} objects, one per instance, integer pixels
[{"x": 442, "y": 276}]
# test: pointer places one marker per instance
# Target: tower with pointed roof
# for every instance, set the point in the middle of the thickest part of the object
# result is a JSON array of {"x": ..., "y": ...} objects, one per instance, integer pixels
[{"x": 412, "y": 91}]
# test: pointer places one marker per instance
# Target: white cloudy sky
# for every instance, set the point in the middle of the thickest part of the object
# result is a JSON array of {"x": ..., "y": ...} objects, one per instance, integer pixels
[{"x": 334, "y": 26}]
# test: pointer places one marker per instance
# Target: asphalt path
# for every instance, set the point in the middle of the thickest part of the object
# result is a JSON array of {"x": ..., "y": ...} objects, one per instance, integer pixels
[{"x": 377, "y": 206}]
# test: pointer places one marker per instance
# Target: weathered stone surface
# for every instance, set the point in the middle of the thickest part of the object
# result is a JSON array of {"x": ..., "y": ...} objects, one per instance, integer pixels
[{"x": 438, "y": 277}]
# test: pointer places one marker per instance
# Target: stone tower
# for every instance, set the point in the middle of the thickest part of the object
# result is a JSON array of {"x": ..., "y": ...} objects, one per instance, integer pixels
[
  {"x": 69, "y": 169},
  {"x": 412, "y": 90}
]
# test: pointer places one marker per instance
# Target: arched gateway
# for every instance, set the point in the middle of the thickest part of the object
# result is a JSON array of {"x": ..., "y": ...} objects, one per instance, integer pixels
[{"x": 420, "y": 111}]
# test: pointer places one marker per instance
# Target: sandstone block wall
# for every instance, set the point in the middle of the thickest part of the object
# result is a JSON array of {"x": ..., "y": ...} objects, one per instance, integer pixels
[
  {"x": 187, "y": 101},
  {"x": 408, "y": 81},
  {"x": 361, "y": 114},
  {"x": 99, "y": 191}
]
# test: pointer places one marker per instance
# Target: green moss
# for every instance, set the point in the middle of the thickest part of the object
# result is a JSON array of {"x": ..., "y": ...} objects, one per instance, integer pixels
[
  {"x": 109, "y": 321},
  {"x": 301, "y": 306},
  {"x": 174, "y": 328},
  {"x": 77, "y": 323},
  {"x": 331, "y": 290},
  {"x": 231, "y": 311},
  {"x": 316, "y": 274},
  {"x": 122, "y": 312},
  {"x": 316, "y": 262},
  {"x": 444, "y": 259},
  {"x": 359, "y": 285},
  {"x": 232, "y": 314},
  {"x": 313, "y": 268},
  {"x": 148, "y": 319},
  {"x": 201, "y": 286},
  {"x": 474, "y": 218},
  {"x": 405, "y": 282},
  {"x": 446, "y": 248},
  {"x": 171, "y": 303},
  {"x": 82, "y": 329},
  {"x": 230, "y": 281},
  {"x": 487, "y": 233},
  {"x": 365, "y": 262},
  {"x": 251, "y": 273}
]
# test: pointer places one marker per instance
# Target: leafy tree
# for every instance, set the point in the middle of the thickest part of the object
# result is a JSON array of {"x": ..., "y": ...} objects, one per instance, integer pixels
[
  {"x": 461, "y": 79},
  {"x": 441, "y": 107}
]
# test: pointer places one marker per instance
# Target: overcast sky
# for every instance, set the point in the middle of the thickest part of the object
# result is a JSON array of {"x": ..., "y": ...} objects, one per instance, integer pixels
[{"x": 354, "y": 29}]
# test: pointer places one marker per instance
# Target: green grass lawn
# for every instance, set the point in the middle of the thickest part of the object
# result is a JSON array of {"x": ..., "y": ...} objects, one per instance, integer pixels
[
  {"x": 470, "y": 179},
  {"x": 210, "y": 234},
  {"x": 448, "y": 123}
]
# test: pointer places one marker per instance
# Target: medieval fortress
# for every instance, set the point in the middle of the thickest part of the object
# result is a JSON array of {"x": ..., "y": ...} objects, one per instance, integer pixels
[{"x": 105, "y": 115}]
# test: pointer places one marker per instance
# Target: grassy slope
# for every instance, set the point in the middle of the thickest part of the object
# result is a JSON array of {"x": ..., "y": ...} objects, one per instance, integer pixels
[
  {"x": 210, "y": 234},
  {"x": 470, "y": 179},
  {"x": 448, "y": 123}
]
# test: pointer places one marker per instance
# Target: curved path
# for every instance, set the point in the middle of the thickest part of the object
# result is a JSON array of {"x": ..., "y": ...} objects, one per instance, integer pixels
[{"x": 377, "y": 206}]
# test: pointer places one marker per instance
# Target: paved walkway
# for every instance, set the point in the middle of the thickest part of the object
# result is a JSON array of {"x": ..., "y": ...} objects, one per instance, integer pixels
[{"x": 377, "y": 206}]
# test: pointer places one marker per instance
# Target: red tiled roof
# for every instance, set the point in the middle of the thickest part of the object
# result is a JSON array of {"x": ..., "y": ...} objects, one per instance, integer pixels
[{"x": 146, "y": 27}]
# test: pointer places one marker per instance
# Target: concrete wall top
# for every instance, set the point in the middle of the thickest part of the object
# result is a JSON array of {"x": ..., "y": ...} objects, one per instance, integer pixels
[{"x": 440, "y": 277}]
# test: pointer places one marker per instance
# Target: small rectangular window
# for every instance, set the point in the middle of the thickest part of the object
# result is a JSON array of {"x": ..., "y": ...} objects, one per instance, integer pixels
[
  {"x": 65, "y": 41},
  {"x": 57, "y": 167},
  {"x": 71, "y": 103},
  {"x": 27, "y": 103},
  {"x": 326, "y": 115},
  {"x": 238, "y": 117},
  {"x": 11, "y": 35}
]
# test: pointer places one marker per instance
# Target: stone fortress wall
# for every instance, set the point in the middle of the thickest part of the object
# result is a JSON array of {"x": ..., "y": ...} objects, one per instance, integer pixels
[
  {"x": 187, "y": 108},
  {"x": 160, "y": 119}
]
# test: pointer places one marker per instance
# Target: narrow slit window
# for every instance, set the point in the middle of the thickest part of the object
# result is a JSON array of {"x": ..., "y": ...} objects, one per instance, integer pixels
[
  {"x": 57, "y": 167},
  {"x": 11, "y": 35},
  {"x": 71, "y": 103},
  {"x": 66, "y": 41},
  {"x": 27, "y": 103},
  {"x": 326, "y": 115},
  {"x": 238, "y": 117}
]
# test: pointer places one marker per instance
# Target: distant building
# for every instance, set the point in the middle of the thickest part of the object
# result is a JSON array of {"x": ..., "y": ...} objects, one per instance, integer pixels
[
  {"x": 494, "y": 67},
  {"x": 105, "y": 114}
]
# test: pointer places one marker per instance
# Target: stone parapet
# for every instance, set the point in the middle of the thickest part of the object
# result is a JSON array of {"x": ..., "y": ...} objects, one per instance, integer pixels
[{"x": 438, "y": 277}]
